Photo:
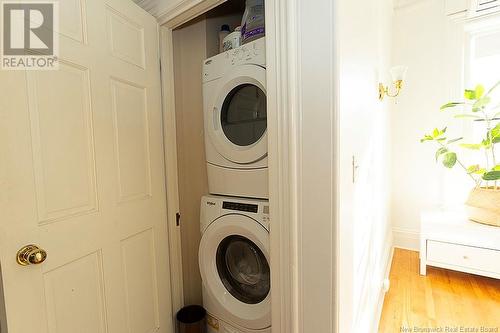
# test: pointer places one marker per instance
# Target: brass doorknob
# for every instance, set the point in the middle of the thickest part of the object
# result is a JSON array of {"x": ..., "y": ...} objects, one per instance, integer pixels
[{"x": 31, "y": 255}]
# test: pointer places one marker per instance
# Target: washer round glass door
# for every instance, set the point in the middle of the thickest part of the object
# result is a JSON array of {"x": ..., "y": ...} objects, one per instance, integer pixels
[
  {"x": 239, "y": 122},
  {"x": 234, "y": 266},
  {"x": 243, "y": 269}
]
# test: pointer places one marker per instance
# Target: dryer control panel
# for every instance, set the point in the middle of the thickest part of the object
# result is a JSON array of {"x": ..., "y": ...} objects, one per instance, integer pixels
[
  {"x": 253, "y": 53},
  {"x": 242, "y": 54}
]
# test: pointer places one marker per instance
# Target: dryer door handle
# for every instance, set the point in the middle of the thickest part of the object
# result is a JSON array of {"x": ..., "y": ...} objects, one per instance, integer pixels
[{"x": 216, "y": 120}]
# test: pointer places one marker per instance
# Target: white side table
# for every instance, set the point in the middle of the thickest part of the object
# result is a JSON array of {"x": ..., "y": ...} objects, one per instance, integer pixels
[{"x": 449, "y": 240}]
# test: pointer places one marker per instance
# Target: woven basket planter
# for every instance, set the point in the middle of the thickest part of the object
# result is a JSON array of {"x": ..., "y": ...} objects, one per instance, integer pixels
[{"x": 483, "y": 206}]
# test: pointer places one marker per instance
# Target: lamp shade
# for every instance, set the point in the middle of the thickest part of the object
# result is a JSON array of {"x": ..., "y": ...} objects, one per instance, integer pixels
[{"x": 398, "y": 73}]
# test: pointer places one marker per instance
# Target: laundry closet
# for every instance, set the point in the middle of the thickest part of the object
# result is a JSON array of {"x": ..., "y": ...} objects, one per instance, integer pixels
[{"x": 221, "y": 141}]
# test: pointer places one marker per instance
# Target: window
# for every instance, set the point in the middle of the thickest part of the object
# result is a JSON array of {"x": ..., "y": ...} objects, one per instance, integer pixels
[{"x": 484, "y": 66}]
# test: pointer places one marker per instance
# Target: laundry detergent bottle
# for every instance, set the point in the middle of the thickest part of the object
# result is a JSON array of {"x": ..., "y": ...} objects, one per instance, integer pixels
[{"x": 253, "y": 23}]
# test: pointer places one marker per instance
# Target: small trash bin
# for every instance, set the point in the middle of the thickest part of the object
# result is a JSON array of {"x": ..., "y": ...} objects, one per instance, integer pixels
[{"x": 191, "y": 319}]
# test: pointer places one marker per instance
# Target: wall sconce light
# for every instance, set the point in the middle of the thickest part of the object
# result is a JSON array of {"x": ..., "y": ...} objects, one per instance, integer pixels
[{"x": 398, "y": 74}]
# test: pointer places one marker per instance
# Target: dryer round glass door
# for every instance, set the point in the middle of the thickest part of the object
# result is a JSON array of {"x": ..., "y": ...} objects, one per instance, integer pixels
[
  {"x": 243, "y": 269},
  {"x": 238, "y": 126},
  {"x": 244, "y": 115}
]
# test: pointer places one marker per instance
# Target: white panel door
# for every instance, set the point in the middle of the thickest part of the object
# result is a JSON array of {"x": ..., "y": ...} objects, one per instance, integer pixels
[{"x": 82, "y": 176}]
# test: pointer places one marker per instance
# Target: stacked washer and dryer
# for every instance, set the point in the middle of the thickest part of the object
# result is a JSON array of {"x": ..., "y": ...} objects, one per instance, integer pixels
[{"x": 234, "y": 249}]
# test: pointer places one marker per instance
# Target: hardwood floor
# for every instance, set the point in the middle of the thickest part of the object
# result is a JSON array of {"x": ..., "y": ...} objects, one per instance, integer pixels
[{"x": 442, "y": 299}]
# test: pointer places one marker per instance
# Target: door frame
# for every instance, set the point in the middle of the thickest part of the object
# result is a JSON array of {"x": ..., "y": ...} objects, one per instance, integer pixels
[{"x": 284, "y": 147}]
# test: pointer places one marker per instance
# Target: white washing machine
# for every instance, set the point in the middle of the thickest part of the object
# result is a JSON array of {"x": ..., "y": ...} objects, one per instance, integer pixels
[
  {"x": 234, "y": 97},
  {"x": 234, "y": 264}
]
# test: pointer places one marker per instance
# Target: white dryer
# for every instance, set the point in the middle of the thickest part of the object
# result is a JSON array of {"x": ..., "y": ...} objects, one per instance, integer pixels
[
  {"x": 235, "y": 114},
  {"x": 234, "y": 264}
]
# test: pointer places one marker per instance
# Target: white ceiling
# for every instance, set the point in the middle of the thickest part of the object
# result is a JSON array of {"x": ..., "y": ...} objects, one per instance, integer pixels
[
  {"x": 404, "y": 3},
  {"x": 157, "y": 7},
  {"x": 154, "y": 7}
]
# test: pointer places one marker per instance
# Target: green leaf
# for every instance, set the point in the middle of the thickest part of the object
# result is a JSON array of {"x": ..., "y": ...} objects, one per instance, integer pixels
[
  {"x": 454, "y": 140},
  {"x": 450, "y": 105},
  {"x": 480, "y": 103},
  {"x": 427, "y": 137},
  {"x": 479, "y": 91},
  {"x": 492, "y": 175},
  {"x": 495, "y": 134},
  {"x": 495, "y": 131},
  {"x": 473, "y": 168},
  {"x": 476, "y": 169},
  {"x": 480, "y": 172},
  {"x": 496, "y": 168},
  {"x": 486, "y": 143},
  {"x": 473, "y": 146},
  {"x": 438, "y": 134},
  {"x": 449, "y": 160},
  {"x": 458, "y": 116},
  {"x": 470, "y": 94},
  {"x": 440, "y": 152}
]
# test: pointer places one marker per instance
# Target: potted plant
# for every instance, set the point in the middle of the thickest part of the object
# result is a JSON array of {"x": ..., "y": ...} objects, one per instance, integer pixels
[{"x": 483, "y": 204}]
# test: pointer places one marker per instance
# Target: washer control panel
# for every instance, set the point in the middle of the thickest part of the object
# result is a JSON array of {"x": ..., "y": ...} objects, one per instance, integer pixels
[
  {"x": 243, "y": 207},
  {"x": 212, "y": 207}
]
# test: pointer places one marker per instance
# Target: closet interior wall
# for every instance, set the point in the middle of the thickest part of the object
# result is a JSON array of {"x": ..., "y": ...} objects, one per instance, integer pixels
[{"x": 193, "y": 43}]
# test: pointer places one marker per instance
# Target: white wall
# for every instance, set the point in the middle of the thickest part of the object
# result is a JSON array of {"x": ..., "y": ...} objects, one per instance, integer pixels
[
  {"x": 364, "y": 51},
  {"x": 431, "y": 45},
  {"x": 315, "y": 189},
  {"x": 189, "y": 53},
  {"x": 343, "y": 51}
]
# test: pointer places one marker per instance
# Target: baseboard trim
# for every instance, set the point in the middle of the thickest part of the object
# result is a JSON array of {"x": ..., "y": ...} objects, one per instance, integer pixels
[
  {"x": 406, "y": 238},
  {"x": 389, "y": 254}
]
